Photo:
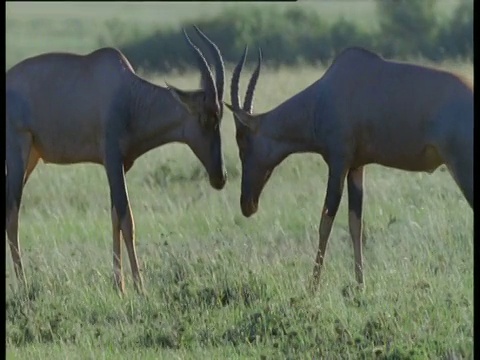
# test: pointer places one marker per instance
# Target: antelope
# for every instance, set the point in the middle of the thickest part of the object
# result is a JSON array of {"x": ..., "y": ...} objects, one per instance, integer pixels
[
  {"x": 66, "y": 108},
  {"x": 364, "y": 110}
]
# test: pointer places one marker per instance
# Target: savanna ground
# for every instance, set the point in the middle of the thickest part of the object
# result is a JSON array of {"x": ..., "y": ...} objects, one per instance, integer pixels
[{"x": 223, "y": 286}]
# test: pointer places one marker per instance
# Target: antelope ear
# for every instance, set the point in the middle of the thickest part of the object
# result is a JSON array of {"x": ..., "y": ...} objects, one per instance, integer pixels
[
  {"x": 193, "y": 101},
  {"x": 246, "y": 119}
]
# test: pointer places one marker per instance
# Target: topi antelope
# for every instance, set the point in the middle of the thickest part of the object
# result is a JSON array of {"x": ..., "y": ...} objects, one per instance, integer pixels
[
  {"x": 364, "y": 110},
  {"x": 66, "y": 109}
]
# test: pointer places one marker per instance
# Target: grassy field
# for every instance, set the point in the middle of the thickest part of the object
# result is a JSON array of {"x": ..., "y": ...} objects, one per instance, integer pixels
[{"x": 222, "y": 286}]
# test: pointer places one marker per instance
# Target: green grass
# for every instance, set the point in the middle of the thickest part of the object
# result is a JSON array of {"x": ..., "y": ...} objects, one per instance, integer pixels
[{"x": 222, "y": 286}]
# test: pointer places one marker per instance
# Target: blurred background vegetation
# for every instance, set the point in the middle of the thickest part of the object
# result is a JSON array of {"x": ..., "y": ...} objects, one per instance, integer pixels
[{"x": 305, "y": 32}]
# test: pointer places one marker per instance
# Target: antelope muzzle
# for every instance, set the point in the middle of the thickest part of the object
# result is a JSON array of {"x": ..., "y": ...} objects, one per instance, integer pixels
[
  {"x": 249, "y": 205},
  {"x": 218, "y": 181},
  {"x": 251, "y": 190}
]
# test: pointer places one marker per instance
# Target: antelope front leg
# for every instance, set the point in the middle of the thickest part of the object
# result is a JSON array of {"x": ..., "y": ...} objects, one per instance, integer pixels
[
  {"x": 332, "y": 201},
  {"x": 355, "y": 221},
  {"x": 122, "y": 220},
  {"x": 117, "y": 251},
  {"x": 128, "y": 232}
]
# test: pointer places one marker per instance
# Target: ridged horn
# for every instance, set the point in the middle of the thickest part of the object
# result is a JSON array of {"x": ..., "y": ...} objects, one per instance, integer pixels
[
  {"x": 234, "y": 97},
  {"x": 207, "y": 77},
  {"x": 218, "y": 63},
  {"x": 248, "y": 103}
]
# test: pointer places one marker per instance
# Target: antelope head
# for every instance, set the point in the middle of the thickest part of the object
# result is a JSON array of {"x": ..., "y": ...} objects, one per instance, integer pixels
[
  {"x": 257, "y": 166},
  {"x": 206, "y": 109}
]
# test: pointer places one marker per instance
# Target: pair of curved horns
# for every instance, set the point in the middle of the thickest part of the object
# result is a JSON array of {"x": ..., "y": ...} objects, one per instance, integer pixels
[
  {"x": 235, "y": 98},
  {"x": 214, "y": 89}
]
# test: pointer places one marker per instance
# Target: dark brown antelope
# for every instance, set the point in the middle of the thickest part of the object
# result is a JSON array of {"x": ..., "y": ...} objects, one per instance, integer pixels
[
  {"x": 67, "y": 108},
  {"x": 364, "y": 110}
]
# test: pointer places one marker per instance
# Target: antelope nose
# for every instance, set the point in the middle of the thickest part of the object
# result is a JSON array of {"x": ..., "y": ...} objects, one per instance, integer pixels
[
  {"x": 249, "y": 207},
  {"x": 218, "y": 182}
]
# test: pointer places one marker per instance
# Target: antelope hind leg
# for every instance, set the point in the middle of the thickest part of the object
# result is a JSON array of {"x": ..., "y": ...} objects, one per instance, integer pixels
[
  {"x": 458, "y": 157},
  {"x": 460, "y": 166},
  {"x": 18, "y": 153}
]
